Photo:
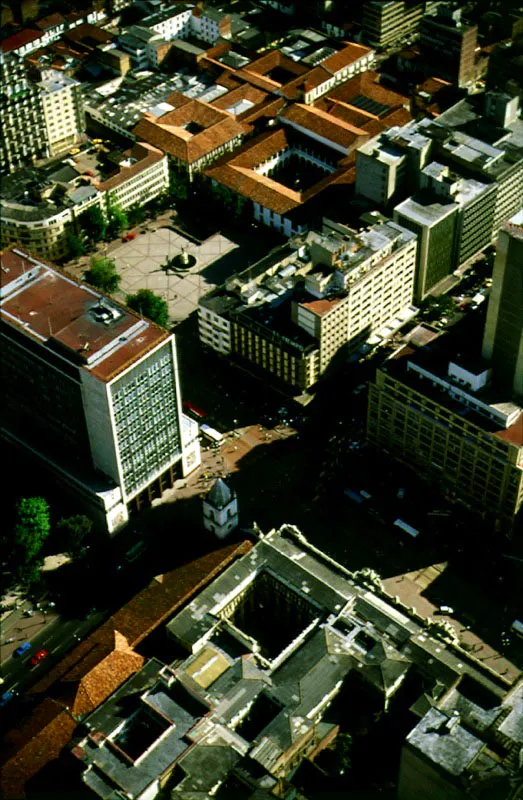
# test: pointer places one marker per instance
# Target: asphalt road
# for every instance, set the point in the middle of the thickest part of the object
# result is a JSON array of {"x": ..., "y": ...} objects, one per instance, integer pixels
[{"x": 57, "y": 637}]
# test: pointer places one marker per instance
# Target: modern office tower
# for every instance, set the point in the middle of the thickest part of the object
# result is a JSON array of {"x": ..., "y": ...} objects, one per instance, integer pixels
[
  {"x": 434, "y": 221},
  {"x": 23, "y": 136},
  {"x": 453, "y": 218},
  {"x": 444, "y": 418},
  {"x": 503, "y": 340},
  {"x": 481, "y": 137},
  {"x": 90, "y": 391},
  {"x": 62, "y": 108},
  {"x": 220, "y": 510},
  {"x": 388, "y": 167},
  {"x": 317, "y": 300},
  {"x": 448, "y": 47},
  {"x": 388, "y": 21}
]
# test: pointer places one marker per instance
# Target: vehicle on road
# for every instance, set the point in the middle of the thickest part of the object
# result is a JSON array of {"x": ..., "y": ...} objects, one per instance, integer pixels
[
  {"x": 129, "y": 237},
  {"x": 446, "y": 610},
  {"x": 517, "y": 628},
  {"x": 213, "y": 435},
  {"x": 399, "y": 523},
  {"x": 193, "y": 410},
  {"x": 24, "y": 647},
  {"x": 39, "y": 656},
  {"x": 5, "y": 698}
]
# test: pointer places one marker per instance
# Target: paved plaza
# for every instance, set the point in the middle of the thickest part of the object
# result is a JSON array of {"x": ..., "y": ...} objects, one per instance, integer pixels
[{"x": 142, "y": 264}]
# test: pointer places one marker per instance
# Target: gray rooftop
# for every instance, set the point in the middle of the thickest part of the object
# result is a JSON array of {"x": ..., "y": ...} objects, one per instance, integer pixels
[{"x": 220, "y": 494}]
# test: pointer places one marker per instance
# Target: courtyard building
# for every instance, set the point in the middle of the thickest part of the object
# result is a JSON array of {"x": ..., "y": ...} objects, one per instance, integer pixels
[
  {"x": 281, "y": 652},
  {"x": 92, "y": 391}
]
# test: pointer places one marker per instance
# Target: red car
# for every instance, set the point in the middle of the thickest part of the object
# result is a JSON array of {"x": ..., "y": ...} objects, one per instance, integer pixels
[
  {"x": 129, "y": 237},
  {"x": 38, "y": 656}
]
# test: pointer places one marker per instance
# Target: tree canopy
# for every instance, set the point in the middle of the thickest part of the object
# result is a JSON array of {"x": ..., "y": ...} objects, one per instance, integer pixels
[
  {"x": 103, "y": 274},
  {"x": 32, "y": 527},
  {"x": 73, "y": 533},
  {"x": 94, "y": 223},
  {"x": 117, "y": 220},
  {"x": 150, "y": 305}
]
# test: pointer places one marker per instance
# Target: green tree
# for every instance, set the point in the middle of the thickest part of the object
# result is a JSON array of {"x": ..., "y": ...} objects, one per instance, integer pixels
[
  {"x": 116, "y": 219},
  {"x": 73, "y": 533},
  {"x": 150, "y": 305},
  {"x": 103, "y": 274},
  {"x": 178, "y": 186},
  {"x": 135, "y": 215},
  {"x": 75, "y": 244},
  {"x": 94, "y": 223},
  {"x": 31, "y": 529}
]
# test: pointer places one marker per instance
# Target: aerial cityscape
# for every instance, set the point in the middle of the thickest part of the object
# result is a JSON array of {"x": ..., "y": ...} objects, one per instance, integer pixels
[{"x": 262, "y": 400}]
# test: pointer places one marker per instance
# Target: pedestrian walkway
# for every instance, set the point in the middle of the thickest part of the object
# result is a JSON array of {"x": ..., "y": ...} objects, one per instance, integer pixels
[{"x": 143, "y": 264}]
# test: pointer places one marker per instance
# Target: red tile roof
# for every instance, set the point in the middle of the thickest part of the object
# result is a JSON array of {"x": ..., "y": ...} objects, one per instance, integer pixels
[
  {"x": 321, "y": 307},
  {"x": 169, "y": 132},
  {"x": 98, "y": 666},
  {"x": 345, "y": 57},
  {"x": 51, "y": 21},
  {"x": 323, "y": 124},
  {"x": 19, "y": 39},
  {"x": 514, "y": 434},
  {"x": 53, "y": 308},
  {"x": 311, "y": 80}
]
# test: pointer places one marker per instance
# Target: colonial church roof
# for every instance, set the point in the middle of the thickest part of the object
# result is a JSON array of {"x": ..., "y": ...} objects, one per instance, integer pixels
[{"x": 220, "y": 494}]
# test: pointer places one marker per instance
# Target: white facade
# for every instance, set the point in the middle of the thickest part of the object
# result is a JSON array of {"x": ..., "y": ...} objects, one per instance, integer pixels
[
  {"x": 140, "y": 188},
  {"x": 214, "y": 330},
  {"x": 63, "y": 114},
  {"x": 177, "y": 26}
]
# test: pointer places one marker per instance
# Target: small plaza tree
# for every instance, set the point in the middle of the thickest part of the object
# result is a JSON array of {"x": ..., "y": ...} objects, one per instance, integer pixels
[
  {"x": 149, "y": 305},
  {"x": 31, "y": 529},
  {"x": 103, "y": 274}
]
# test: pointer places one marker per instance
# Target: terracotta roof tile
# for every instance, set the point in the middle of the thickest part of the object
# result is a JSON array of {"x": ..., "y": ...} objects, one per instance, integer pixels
[
  {"x": 169, "y": 133},
  {"x": 19, "y": 39},
  {"x": 35, "y": 744},
  {"x": 312, "y": 79},
  {"x": 324, "y": 124},
  {"x": 345, "y": 57}
]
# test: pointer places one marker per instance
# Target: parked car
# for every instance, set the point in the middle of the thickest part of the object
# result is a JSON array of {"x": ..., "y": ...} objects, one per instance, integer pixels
[
  {"x": 39, "y": 656},
  {"x": 5, "y": 698},
  {"x": 24, "y": 647}
]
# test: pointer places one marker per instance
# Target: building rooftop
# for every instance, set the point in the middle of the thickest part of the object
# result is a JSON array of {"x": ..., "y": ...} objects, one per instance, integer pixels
[
  {"x": 220, "y": 494},
  {"x": 486, "y": 408},
  {"x": 71, "y": 319},
  {"x": 190, "y": 130}
]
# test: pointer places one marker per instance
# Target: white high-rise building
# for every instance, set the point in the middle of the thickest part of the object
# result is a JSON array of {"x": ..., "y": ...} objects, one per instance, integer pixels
[
  {"x": 91, "y": 391},
  {"x": 63, "y": 111}
]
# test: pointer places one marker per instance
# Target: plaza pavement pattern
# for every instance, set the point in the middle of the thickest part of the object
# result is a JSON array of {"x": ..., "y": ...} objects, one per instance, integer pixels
[{"x": 141, "y": 264}]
